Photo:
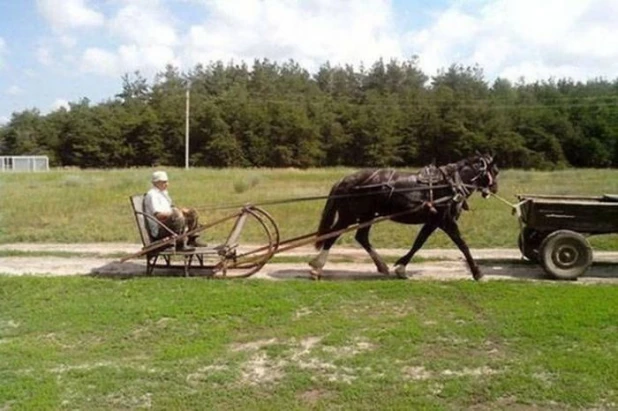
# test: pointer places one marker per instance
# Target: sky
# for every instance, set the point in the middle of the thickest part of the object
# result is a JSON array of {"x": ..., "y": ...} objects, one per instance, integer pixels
[{"x": 57, "y": 51}]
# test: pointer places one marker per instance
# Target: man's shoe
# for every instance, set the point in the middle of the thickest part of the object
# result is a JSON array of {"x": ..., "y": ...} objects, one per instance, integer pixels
[
  {"x": 196, "y": 242},
  {"x": 185, "y": 248}
]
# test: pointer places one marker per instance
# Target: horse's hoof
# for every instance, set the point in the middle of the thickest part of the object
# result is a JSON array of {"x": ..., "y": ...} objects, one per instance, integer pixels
[
  {"x": 477, "y": 275},
  {"x": 400, "y": 272},
  {"x": 383, "y": 269},
  {"x": 316, "y": 274}
]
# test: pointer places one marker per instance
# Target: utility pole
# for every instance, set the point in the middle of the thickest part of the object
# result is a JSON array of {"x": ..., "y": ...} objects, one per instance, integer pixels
[{"x": 188, "y": 96}]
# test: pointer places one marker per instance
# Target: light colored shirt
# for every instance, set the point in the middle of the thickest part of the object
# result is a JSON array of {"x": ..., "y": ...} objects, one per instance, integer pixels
[{"x": 156, "y": 201}]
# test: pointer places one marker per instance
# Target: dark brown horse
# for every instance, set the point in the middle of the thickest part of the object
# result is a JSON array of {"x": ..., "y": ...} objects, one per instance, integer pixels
[{"x": 433, "y": 197}]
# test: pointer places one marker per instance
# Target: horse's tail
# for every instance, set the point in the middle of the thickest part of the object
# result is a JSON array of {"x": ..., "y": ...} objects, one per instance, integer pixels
[{"x": 328, "y": 217}]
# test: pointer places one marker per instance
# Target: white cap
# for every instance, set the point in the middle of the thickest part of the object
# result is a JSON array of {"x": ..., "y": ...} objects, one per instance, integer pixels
[{"x": 159, "y": 176}]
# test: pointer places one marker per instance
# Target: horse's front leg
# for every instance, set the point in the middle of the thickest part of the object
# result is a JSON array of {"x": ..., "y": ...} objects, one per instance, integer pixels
[
  {"x": 452, "y": 230},
  {"x": 423, "y": 235},
  {"x": 362, "y": 236}
]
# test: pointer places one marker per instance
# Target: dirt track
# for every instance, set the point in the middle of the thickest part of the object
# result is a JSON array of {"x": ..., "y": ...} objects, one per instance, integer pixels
[{"x": 98, "y": 259}]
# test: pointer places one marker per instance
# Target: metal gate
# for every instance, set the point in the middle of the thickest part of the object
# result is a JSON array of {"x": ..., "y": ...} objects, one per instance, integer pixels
[{"x": 24, "y": 163}]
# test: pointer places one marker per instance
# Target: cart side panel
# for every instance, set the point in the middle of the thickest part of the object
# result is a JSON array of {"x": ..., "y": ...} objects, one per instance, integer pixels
[{"x": 584, "y": 217}]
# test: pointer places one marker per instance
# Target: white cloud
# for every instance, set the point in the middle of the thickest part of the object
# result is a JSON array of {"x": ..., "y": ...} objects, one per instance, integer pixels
[
  {"x": 147, "y": 41},
  {"x": 69, "y": 14},
  {"x": 57, "y": 50},
  {"x": 14, "y": 90},
  {"x": 508, "y": 38},
  {"x": 525, "y": 38},
  {"x": 147, "y": 58},
  {"x": 60, "y": 103},
  {"x": 4, "y": 120},
  {"x": 99, "y": 61},
  {"x": 144, "y": 23},
  {"x": 310, "y": 32},
  {"x": 125, "y": 59}
]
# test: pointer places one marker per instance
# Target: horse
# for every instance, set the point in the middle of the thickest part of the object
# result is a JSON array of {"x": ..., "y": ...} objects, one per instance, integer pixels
[{"x": 434, "y": 197}]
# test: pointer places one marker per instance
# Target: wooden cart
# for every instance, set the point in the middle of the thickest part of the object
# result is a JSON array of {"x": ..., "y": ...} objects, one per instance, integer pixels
[{"x": 554, "y": 230}]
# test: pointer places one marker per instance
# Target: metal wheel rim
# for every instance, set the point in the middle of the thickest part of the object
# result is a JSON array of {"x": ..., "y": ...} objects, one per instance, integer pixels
[{"x": 566, "y": 256}]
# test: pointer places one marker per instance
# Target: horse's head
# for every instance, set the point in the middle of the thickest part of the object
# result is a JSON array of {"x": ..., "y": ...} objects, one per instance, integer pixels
[{"x": 483, "y": 174}]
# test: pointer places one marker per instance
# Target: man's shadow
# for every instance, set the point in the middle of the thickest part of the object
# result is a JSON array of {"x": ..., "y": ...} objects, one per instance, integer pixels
[{"x": 116, "y": 270}]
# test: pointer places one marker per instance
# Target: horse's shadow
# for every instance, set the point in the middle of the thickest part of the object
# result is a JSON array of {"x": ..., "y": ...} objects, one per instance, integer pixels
[
  {"x": 413, "y": 273},
  {"x": 507, "y": 269}
]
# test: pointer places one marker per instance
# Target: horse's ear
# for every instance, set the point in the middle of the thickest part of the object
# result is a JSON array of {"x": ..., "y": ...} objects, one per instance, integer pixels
[{"x": 491, "y": 154}]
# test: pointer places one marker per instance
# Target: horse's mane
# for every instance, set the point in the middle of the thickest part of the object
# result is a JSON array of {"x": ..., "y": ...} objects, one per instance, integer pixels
[{"x": 450, "y": 168}]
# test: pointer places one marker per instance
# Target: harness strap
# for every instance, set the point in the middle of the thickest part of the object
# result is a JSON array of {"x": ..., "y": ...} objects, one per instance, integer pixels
[{"x": 388, "y": 184}]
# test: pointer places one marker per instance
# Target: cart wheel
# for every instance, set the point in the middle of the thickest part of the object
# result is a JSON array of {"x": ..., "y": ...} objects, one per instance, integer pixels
[
  {"x": 237, "y": 264},
  {"x": 529, "y": 242},
  {"x": 565, "y": 254}
]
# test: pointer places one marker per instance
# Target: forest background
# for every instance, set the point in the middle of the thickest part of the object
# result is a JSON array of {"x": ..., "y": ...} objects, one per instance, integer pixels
[{"x": 274, "y": 114}]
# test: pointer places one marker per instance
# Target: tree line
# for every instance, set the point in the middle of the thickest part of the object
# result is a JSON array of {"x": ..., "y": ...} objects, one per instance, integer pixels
[{"x": 280, "y": 115}]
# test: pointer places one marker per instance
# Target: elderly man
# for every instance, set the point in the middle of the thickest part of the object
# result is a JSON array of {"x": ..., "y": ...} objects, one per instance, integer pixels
[{"x": 158, "y": 203}]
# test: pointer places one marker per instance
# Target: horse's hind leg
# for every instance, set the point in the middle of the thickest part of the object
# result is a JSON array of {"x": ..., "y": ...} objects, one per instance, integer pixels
[
  {"x": 362, "y": 236},
  {"x": 319, "y": 261},
  {"x": 452, "y": 230},
  {"x": 423, "y": 235},
  {"x": 317, "y": 264}
]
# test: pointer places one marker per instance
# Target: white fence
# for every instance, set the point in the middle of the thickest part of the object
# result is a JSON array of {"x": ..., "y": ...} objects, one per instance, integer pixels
[{"x": 24, "y": 163}]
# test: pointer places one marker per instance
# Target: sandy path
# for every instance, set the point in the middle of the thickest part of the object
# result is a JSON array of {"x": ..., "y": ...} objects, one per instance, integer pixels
[{"x": 97, "y": 259}]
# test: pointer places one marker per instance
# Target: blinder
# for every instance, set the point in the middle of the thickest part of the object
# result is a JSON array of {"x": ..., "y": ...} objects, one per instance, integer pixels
[{"x": 485, "y": 178}]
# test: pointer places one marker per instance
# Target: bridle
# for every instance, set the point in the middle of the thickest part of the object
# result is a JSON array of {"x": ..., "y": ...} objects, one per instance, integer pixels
[{"x": 484, "y": 172}]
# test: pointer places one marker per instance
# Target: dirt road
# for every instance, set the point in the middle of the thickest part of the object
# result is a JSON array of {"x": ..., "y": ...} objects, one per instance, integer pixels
[{"x": 101, "y": 259}]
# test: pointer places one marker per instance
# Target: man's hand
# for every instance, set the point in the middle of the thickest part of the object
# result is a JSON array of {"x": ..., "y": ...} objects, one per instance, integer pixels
[{"x": 162, "y": 216}]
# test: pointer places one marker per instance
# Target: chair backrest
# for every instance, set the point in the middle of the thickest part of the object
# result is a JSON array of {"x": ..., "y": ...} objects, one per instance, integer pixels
[{"x": 137, "y": 203}]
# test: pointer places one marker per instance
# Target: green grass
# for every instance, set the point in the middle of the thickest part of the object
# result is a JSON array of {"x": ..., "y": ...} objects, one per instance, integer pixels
[
  {"x": 86, "y": 343},
  {"x": 92, "y": 206}
]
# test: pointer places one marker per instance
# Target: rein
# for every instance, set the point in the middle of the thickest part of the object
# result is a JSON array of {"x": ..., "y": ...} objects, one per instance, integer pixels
[
  {"x": 322, "y": 197},
  {"x": 505, "y": 201}
]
